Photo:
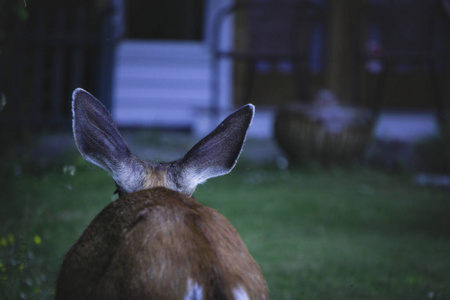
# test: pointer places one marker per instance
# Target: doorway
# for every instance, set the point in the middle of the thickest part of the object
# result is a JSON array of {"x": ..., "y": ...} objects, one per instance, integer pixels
[{"x": 165, "y": 20}]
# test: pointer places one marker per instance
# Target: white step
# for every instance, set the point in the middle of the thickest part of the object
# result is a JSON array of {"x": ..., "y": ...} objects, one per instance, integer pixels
[
  {"x": 183, "y": 95},
  {"x": 161, "y": 49},
  {"x": 154, "y": 117},
  {"x": 160, "y": 84},
  {"x": 150, "y": 103},
  {"x": 151, "y": 71},
  {"x": 166, "y": 60}
]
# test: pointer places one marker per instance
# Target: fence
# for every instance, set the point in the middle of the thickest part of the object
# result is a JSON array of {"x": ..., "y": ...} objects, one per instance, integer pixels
[{"x": 47, "y": 54}]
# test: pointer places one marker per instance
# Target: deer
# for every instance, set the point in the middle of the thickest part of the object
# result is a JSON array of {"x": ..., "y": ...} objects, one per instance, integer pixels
[{"x": 155, "y": 241}]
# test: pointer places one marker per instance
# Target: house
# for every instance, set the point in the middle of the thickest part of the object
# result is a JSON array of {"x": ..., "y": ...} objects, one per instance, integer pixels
[
  {"x": 163, "y": 74},
  {"x": 151, "y": 62}
]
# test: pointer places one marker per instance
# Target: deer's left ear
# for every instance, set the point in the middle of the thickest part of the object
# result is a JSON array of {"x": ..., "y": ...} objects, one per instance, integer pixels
[
  {"x": 96, "y": 135},
  {"x": 99, "y": 141},
  {"x": 217, "y": 153}
]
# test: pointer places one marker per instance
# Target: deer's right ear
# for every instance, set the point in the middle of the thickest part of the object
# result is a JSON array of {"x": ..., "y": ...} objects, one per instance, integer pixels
[
  {"x": 217, "y": 153},
  {"x": 96, "y": 135}
]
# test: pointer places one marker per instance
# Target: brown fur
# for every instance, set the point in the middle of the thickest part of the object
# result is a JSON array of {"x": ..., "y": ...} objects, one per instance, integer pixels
[{"x": 150, "y": 235}]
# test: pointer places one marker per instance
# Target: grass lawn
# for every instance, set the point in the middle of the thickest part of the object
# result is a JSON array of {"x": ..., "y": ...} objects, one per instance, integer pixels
[{"x": 323, "y": 234}]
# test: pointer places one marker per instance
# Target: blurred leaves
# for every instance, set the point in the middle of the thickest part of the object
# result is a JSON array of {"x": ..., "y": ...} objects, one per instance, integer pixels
[
  {"x": 14, "y": 8},
  {"x": 19, "y": 277}
]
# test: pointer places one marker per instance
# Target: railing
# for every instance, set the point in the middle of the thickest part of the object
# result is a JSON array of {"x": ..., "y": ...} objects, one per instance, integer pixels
[{"x": 49, "y": 53}]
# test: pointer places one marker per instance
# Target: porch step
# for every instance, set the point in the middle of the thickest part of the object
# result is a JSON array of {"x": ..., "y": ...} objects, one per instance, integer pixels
[{"x": 160, "y": 84}]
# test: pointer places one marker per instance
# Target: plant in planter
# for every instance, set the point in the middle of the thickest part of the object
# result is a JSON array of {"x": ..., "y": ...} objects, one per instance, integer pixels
[{"x": 323, "y": 131}]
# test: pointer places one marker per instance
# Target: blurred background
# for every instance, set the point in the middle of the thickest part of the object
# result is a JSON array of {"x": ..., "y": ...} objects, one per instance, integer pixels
[
  {"x": 351, "y": 131},
  {"x": 374, "y": 70}
]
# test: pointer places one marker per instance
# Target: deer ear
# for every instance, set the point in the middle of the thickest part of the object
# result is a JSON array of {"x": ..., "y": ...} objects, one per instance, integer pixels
[
  {"x": 96, "y": 135},
  {"x": 99, "y": 142},
  {"x": 217, "y": 153}
]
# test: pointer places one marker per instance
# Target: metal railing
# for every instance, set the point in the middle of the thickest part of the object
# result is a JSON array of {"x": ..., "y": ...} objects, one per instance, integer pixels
[{"x": 48, "y": 54}]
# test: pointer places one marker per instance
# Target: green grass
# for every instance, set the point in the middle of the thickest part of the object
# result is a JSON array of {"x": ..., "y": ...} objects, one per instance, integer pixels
[
  {"x": 322, "y": 234},
  {"x": 336, "y": 234}
]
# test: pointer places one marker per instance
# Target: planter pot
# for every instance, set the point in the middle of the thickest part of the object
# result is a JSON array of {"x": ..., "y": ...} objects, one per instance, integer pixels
[{"x": 329, "y": 135}]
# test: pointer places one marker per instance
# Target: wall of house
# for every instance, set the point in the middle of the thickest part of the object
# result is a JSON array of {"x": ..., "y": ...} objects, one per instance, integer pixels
[{"x": 406, "y": 87}]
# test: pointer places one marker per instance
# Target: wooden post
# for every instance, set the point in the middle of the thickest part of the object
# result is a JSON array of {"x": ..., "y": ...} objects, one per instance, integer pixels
[
  {"x": 18, "y": 70},
  {"x": 37, "y": 114},
  {"x": 58, "y": 67},
  {"x": 341, "y": 47}
]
